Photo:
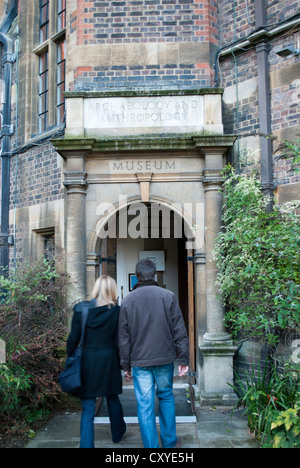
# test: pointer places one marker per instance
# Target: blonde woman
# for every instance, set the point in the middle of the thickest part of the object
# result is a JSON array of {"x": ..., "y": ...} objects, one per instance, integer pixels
[{"x": 101, "y": 373}]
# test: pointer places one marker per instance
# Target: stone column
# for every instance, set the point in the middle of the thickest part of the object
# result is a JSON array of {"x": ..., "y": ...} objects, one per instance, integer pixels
[
  {"x": 216, "y": 347},
  {"x": 76, "y": 185},
  {"x": 200, "y": 311},
  {"x": 92, "y": 272},
  {"x": 2, "y": 352}
]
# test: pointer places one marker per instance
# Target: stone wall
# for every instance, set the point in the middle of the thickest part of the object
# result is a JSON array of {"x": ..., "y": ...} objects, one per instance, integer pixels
[{"x": 36, "y": 199}]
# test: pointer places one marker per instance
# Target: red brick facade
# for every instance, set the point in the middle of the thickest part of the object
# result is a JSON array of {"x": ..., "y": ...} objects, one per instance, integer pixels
[
  {"x": 145, "y": 22},
  {"x": 190, "y": 44}
]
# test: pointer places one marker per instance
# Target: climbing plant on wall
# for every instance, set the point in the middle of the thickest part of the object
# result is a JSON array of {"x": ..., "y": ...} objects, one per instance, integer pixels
[{"x": 257, "y": 253}]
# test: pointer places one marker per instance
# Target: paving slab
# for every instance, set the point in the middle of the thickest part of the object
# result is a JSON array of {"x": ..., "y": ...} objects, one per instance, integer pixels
[
  {"x": 213, "y": 428},
  {"x": 217, "y": 427}
]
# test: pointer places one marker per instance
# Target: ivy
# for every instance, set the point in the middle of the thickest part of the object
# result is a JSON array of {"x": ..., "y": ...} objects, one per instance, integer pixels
[
  {"x": 290, "y": 150},
  {"x": 257, "y": 254}
]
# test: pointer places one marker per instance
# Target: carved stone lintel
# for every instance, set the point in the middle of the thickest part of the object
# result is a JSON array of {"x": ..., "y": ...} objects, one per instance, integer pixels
[{"x": 144, "y": 180}]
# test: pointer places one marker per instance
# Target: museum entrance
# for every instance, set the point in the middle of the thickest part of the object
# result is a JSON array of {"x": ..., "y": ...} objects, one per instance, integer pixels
[
  {"x": 150, "y": 231},
  {"x": 175, "y": 164}
]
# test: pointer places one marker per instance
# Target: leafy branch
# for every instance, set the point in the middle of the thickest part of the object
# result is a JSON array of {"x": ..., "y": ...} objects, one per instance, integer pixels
[{"x": 257, "y": 253}]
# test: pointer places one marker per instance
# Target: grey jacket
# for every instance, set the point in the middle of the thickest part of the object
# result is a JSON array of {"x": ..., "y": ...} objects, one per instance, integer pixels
[{"x": 151, "y": 329}]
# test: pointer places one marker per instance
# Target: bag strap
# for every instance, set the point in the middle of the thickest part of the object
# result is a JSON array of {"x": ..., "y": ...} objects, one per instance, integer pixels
[{"x": 84, "y": 316}]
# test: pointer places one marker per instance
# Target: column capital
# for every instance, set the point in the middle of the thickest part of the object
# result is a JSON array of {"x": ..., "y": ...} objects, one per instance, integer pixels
[
  {"x": 76, "y": 182},
  {"x": 212, "y": 179}
]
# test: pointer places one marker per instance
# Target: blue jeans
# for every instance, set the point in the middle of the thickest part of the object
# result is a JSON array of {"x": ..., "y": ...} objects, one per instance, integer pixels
[
  {"x": 117, "y": 423},
  {"x": 145, "y": 379}
]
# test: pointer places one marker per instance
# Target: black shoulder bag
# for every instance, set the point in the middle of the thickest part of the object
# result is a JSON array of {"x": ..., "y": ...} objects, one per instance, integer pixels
[{"x": 70, "y": 378}]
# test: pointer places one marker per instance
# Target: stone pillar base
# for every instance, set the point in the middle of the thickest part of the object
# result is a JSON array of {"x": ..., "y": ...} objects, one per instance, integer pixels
[{"x": 217, "y": 373}]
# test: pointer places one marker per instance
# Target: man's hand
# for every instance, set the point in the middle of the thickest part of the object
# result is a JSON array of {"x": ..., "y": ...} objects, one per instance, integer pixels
[
  {"x": 128, "y": 376},
  {"x": 182, "y": 370}
]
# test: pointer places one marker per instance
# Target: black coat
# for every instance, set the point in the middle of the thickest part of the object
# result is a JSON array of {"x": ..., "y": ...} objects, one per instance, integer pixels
[{"x": 101, "y": 373}]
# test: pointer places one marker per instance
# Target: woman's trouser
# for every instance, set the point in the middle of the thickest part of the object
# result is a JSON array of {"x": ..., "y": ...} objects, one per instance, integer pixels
[{"x": 117, "y": 423}]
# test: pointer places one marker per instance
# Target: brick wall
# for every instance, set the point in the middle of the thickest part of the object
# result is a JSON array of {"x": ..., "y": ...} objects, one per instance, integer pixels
[
  {"x": 237, "y": 20},
  {"x": 38, "y": 176},
  {"x": 146, "y": 22},
  {"x": 238, "y": 75},
  {"x": 163, "y": 44},
  {"x": 278, "y": 11}
]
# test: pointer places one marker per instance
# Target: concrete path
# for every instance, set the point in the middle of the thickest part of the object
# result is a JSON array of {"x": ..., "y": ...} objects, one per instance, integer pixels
[{"x": 210, "y": 428}]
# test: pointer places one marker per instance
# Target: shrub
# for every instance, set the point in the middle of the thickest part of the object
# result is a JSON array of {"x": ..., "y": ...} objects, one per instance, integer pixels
[
  {"x": 286, "y": 429},
  {"x": 33, "y": 321},
  {"x": 257, "y": 254},
  {"x": 13, "y": 383},
  {"x": 271, "y": 401}
]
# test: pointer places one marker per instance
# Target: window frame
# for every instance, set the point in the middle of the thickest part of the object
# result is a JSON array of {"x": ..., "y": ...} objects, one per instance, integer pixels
[
  {"x": 60, "y": 81},
  {"x": 44, "y": 243},
  {"x": 44, "y": 5},
  {"x": 50, "y": 105},
  {"x": 61, "y": 14},
  {"x": 43, "y": 91}
]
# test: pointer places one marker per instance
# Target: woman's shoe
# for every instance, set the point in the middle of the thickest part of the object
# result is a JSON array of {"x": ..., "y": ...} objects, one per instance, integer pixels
[{"x": 123, "y": 434}]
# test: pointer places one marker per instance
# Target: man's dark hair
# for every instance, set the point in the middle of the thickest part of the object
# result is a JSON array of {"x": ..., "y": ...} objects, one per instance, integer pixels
[{"x": 145, "y": 270}]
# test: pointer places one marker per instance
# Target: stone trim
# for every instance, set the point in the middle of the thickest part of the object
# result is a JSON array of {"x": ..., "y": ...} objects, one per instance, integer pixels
[{"x": 127, "y": 145}]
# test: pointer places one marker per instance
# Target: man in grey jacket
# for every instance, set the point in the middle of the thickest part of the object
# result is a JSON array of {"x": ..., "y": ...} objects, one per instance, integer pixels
[{"x": 152, "y": 335}]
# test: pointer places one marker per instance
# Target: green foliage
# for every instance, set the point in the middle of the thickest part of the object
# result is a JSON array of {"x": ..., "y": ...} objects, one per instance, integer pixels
[
  {"x": 271, "y": 399},
  {"x": 257, "y": 254},
  {"x": 25, "y": 287},
  {"x": 291, "y": 151},
  {"x": 33, "y": 317},
  {"x": 286, "y": 429},
  {"x": 14, "y": 382}
]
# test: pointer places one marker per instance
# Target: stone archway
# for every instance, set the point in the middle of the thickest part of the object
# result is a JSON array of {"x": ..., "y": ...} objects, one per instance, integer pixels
[{"x": 171, "y": 231}]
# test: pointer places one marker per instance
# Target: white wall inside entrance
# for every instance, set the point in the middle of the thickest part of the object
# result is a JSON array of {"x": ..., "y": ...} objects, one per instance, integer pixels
[{"x": 128, "y": 255}]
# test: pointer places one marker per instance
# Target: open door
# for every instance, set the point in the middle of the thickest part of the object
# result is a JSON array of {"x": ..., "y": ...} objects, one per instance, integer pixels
[{"x": 191, "y": 327}]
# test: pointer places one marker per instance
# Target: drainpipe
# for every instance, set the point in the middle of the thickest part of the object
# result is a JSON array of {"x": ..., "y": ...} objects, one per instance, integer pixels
[
  {"x": 262, "y": 50},
  {"x": 5, "y": 136}
]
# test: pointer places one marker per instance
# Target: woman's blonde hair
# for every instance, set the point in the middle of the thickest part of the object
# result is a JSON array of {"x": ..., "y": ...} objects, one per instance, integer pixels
[{"x": 105, "y": 290}]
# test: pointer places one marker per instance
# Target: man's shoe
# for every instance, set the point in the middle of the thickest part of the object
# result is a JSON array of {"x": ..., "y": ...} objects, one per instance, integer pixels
[{"x": 178, "y": 443}]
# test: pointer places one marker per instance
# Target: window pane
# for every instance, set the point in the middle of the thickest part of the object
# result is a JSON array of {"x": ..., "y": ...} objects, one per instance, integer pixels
[
  {"x": 61, "y": 14},
  {"x": 44, "y": 20},
  {"x": 43, "y": 33},
  {"x": 61, "y": 73},
  {"x": 60, "y": 83},
  {"x": 43, "y": 92},
  {"x": 49, "y": 246}
]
